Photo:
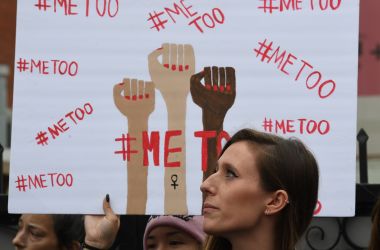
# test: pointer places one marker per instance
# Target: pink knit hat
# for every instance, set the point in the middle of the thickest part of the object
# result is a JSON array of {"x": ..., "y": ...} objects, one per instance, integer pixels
[{"x": 191, "y": 225}]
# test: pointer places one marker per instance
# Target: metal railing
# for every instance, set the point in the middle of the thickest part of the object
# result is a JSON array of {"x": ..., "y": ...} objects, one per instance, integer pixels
[{"x": 366, "y": 197}]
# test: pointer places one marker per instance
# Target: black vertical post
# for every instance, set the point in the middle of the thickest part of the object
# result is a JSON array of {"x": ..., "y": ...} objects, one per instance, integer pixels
[
  {"x": 362, "y": 138},
  {"x": 1, "y": 168}
]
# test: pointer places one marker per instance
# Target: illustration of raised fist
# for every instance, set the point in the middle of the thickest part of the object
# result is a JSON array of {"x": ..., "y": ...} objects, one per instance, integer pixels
[
  {"x": 172, "y": 75},
  {"x": 134, "y": 98},
  {"x": 215, "y": 95},
  {"x": 214, "y": 91}
]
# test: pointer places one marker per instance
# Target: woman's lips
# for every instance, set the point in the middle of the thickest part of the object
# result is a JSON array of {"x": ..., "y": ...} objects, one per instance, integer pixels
[{"x": 208, "y": 208}]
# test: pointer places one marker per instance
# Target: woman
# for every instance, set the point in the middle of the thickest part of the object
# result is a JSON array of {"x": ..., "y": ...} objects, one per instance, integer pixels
[
  {"x": 66, "y": 232},
  {"x": 262, "y": 195},
  {"x": 50, "y": 232},
  {"x": 174, "y": 232}
]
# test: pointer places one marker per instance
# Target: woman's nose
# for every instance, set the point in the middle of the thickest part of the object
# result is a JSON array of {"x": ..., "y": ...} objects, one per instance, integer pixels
[
  {"x": 207, "y": 187},
  {"x": 19, "y": 240},
  {"x": 163, "y": 246}
]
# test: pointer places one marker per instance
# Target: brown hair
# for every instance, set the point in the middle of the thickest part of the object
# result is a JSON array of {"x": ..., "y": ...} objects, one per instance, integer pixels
[
  {"x": 284, "y": 164},
  {"x": 375, "y": 232},
  {"x": 69, "y": 229}
]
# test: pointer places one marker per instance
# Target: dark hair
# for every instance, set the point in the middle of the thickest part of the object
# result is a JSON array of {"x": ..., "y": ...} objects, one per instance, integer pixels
[
  {"x": 69, "y": 229},
  {"x": 284, "y": 164},
  {"x": 375, "y": 232}
]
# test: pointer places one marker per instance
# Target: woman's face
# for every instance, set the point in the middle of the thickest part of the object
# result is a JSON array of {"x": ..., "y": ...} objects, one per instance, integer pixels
[
  {"x": 167, "y": 238},
  {"x": 36, "y": 232},
  {"x": 234, "y": 199}
]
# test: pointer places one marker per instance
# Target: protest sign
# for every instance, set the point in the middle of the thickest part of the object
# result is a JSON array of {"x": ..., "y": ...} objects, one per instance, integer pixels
[{"x": 136, "y": 98}]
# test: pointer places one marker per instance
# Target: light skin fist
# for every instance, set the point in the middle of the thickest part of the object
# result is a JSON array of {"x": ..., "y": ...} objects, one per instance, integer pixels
[{"x": 172, "y": 75}]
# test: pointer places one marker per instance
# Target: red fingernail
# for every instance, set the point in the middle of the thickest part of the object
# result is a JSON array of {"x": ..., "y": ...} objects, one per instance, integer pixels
[
  {"x": 146, "y": 95},
  {"x": 159, "y": 48},
  {"x": 166, "y": 65},
  {"x": 186, "y": 67},
  {"x": 180, "y": 68},
  {"x": 208, "y": 86},
  {"x": 121, "y": 83},
  {"x": 127, "y": 97},
  {"x": 221, "y": 88},
  {"x": 174, "y": 67},
  {"x": 140, "y": 96},
  {"x": 215, "y": 87},
  {"x": 228, "y": 88},
  {"x": 134, "y": 97}
]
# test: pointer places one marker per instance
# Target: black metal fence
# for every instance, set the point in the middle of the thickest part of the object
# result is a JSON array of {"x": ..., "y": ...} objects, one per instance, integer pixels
[{"x": 366, "y": 197}]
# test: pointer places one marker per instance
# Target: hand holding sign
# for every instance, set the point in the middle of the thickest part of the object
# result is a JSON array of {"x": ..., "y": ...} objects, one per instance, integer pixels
[{"x": 100, "y": 230}]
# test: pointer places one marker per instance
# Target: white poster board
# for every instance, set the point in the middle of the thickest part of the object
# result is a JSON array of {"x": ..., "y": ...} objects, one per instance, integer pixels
[{"x": 288, "y": 67}]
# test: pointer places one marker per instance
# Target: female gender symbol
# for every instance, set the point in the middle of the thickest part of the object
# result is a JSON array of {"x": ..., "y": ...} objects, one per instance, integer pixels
[{"x": 174, "y": 179}]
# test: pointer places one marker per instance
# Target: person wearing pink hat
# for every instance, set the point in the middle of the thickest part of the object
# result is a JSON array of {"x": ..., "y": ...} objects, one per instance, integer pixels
[{"x": 167, "y": 232}]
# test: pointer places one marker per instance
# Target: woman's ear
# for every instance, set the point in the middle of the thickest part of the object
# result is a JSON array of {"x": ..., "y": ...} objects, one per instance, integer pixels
[{"x": 278, "y": 201}]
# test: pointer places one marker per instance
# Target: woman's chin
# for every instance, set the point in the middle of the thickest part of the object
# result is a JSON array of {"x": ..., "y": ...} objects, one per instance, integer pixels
[{"x": 211, "y": 228}]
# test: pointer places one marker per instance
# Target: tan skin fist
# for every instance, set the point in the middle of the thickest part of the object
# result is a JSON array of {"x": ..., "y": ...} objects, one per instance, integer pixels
[{"x": 134, "y": 98}]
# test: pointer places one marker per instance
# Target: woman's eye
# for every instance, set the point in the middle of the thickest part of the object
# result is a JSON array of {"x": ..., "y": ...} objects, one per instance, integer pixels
[
  {"x": 230, "y": 174},
  {"x": 175, "y": 242},
  {"x": 35, "y": 233}
]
